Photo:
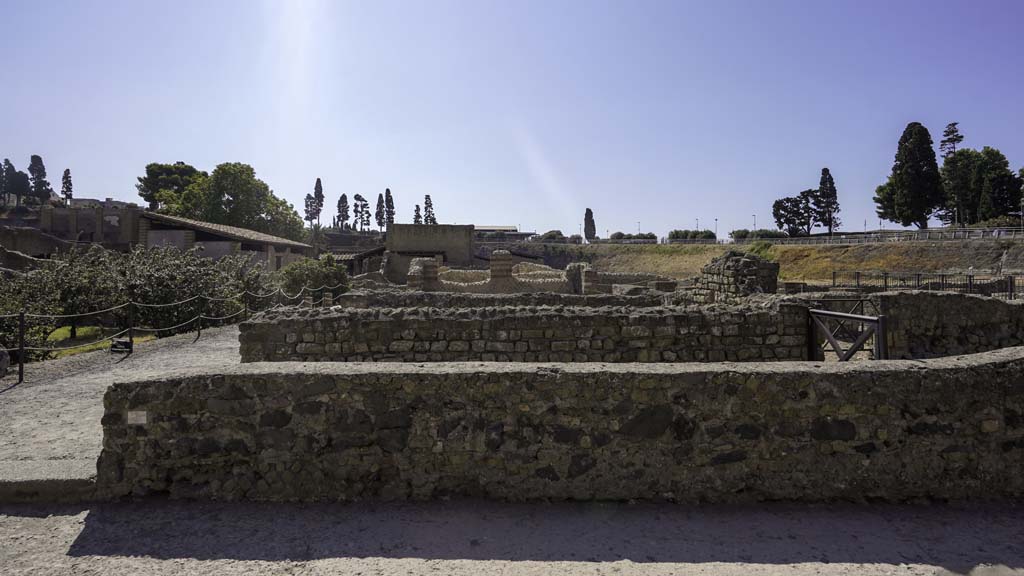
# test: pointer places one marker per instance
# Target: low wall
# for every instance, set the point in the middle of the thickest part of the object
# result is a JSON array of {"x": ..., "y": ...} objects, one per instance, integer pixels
[
  {"x": 891, "y": 430},
  {"x": 933, "y": 324},
  {"x": 397, "y": 298},
  {"x": 777, "y": 331}
]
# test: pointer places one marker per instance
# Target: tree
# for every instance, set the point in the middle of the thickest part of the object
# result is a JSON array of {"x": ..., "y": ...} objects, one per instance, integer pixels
[
  {"x": 416, "y": 218},
  {"x": 885, "y": 200},
  {"x": 978, "y": 186},
  {"x": 950, "y": 138},
  {"x": 65, "y": 187},
  {"x": 357, "y": 211},
  {"x": 20, "y": 185},
  {"x": 795, "y": 214},
  {"x": 389, "y": 206},
  {"x": 6, "y": 174},
  {"x": 589, "y": 227},
  {"x": 428, "y": 210},
  {"x": 342, "y": 211},
  {"x": 41, "y": 189},
  {"x": 825, "y": 202},
  {"x": 915, "y": 191},
  {"x": 310, "y": 209},
  {"x": 364, "y": 211},
  {"x": 233, "y": 195},
  {"x": 318, "y": 196},
  {"x": 380, "y": 214},
  {"x": 167, "y": 181}
]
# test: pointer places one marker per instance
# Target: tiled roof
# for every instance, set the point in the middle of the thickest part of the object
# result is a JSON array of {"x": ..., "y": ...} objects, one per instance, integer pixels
[{"x": 234, "y": 232}]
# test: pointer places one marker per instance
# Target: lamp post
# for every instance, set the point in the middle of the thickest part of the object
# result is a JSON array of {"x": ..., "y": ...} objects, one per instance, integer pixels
[
  {"x": 638, "y": 227},
  {"x": 716, "y": 228},
  {"x": 755, "y": 221},
  {"x": 697, "y": 220}
]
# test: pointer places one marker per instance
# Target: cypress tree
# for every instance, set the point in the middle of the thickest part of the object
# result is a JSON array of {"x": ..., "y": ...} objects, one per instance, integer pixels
[
  {"x": 826, "y": 201},
  {"x": 589, "y": 226},
  {"x": 342, "y": 211},
  {"x": 37, "y": 172},
  {"x": 318, "y": 197},
  {"x": 950, "y": 138},
  {"x": 916, "y": 187},
  {"x": 416, "y": 218},
  {"x": 65, "y": 187},
  {"x": 379, "y": 215},
  {"x": 389, "y": 206}
]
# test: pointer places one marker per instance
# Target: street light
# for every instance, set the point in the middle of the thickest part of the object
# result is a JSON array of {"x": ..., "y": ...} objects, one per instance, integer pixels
[
  {"x": 755, "y": 221},
  {"x": 716, "y": 228},
  {"x": 698, "y": 223}
]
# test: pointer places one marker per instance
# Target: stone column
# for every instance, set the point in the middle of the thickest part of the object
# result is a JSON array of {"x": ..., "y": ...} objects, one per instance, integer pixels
[{"x": 574, "y": 275}]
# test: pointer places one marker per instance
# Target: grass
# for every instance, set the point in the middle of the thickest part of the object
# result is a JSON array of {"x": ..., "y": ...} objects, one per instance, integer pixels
[{"x": 87, "y": 338}]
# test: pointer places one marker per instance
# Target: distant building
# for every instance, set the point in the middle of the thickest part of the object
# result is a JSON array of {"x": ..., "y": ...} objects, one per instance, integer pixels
[
  {"x": 501, "y": 233},
  {"x": 120, "y": 226}
]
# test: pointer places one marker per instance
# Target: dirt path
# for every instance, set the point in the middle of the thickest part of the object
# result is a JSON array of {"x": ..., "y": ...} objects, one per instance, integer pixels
[
  {"x": 55, "y": 414},
  {"x": 488, "y": 538}
]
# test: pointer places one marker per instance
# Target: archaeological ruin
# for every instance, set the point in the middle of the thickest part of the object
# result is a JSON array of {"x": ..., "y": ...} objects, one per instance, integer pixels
[{"x": 521, "y": 382}]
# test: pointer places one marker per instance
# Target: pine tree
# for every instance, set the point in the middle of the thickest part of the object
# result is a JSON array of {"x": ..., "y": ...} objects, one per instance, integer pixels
[
  {"x": 379, "y": 215},
  {"x": 389, "y": 206},
  {"x": 318, "y": 196},
  {"x": 915, "y": 190},
  {"x": 950, "y": 138},
  {"x": 65, "y": 187},
  {"x": 416, "y": 218},
  {"x": 357, "y": 211},
  {"x": 342, "y": 211},
  {"x": 37, "y": 172},
  {"x": 428, "y": 210},
  {"x": 364, "y": 211},
  {"x": 825, "y": 202},
  {"x": 589, "y": 227}
]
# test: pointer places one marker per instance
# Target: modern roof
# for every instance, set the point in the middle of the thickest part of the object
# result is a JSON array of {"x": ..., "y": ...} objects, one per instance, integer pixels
[{"x": 233, "y": 232}]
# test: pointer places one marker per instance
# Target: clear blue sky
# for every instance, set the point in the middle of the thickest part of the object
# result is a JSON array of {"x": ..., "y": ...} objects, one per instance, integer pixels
[{"x": 521, "y": 112}]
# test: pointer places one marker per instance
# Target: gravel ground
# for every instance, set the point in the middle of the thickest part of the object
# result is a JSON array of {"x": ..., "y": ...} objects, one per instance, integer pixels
[
  {"x": 489, "y": 538},
  {"x": 55, "y": 414}
]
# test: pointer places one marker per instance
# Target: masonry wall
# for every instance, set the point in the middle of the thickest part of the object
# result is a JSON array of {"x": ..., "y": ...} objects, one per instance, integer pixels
[
  {"x": 891, "y": 430},
  {"x": 397, "y": 298},
  {"x": 777, "y": 331},
  {"x": 932, "y": 324}
]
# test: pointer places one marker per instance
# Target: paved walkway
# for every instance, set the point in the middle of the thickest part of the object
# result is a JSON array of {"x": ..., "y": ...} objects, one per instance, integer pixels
[
  {"x": 50, "y": 424},
  {"x": 488, "y": 538}
]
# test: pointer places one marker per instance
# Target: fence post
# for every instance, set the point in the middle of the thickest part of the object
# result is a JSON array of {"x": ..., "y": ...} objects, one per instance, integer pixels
[
  {"x": 885, "y": 280},
  {"x": 131, "y": 328},
  {"x": 199, "y": 321},
  {"x": 21, "y": 347},
  {"x": 1010, "y": 286},
  {"x": 917, "y": 281},
  {"x": 970, "y": 284},
  {"x": 881, "y": 346},
  {"x": 833, "y": 278},
  {"x": 942, "y": 282},
  {"x": 857, "y": 274}
]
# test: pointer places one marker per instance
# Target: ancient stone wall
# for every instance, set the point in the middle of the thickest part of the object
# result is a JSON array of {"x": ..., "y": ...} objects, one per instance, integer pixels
[
  {"x": 501, "y": 280},
  {"x": 734, "y": 276},
  {"x": 932, "y": 324},
  {"x": 772, "y": 331},
  {"x": 895, "y": 430},
  {"x": 400, "y": 298}
]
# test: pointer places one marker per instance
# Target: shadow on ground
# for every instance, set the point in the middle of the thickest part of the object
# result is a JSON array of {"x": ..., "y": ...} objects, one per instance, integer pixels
[{"x": 956, "y": 537}]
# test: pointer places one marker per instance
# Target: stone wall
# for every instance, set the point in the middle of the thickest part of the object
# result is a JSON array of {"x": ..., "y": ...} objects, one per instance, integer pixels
[
  {"x": 501, "y": 280},
  {"x": 736, "y": 275},
  {"x": 400, "y": 298},
  {"x": 776, "y": 330},
  {"x": 932, "y": 324},
  {"x": 893, "y": 430}
]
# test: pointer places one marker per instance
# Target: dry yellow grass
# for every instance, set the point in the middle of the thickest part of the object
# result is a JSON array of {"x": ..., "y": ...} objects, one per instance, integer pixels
[{"x": 813, "y": 262}]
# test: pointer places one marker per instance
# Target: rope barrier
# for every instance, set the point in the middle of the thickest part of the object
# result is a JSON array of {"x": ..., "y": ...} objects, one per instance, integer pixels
[
  {"x": 111, "y": 309},
  {"x": 219, "y": 318},
  {"x": 185, "y": 323},
  {"x": 111, "y": 337},
  {"x": 186, "y": 301}
]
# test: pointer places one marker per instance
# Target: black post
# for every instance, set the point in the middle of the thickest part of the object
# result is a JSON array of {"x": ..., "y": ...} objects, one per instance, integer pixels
[
  {"x": 885, "y": 280},
  {"x": 833, "y": 278},
  {"x": 1010, "y": 286},
  {"x": 21, "y": 347},
  {"x": 858, "y": 279},
  {"x": 970, "y": 284},
  {"x": 199, "y": 320},
  {"x": 131, "y": 328}
]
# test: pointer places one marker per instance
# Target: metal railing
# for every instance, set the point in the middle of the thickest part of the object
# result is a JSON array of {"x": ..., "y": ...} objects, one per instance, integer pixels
[
  {"x": 869, "y": 327},
  {"x": 996, "y": 285},
  {"x": 899, "y": 236},
  {"x": 277, "y": 298}
]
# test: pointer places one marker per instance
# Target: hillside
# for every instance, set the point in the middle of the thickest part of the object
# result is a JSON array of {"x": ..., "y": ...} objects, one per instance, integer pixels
[{"x": 797, "y": 262}]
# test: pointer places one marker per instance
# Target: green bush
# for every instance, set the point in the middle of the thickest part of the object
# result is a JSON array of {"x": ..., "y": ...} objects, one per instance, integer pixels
[
  {"x": 692, "y": 235},
  {"x": 313, "y": 273}
]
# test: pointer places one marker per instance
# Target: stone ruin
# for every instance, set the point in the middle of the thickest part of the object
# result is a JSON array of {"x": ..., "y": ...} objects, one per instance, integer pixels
[
  {"x": 559, "y": 395},
  {"x": 734, "y": 276}
]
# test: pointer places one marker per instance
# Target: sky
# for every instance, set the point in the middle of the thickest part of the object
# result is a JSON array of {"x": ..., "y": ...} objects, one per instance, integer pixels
[{"x": 655, "y": 114}]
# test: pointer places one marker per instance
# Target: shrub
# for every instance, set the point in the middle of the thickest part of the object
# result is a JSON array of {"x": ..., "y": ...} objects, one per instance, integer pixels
[
  {"x": 998, "y": 222},
  {"x": 692, "y": 235},
  {"x": 640, "y": 236},
  {"x": 552, "y": 235},
  {"x": 313, "y": 273},
  {"x": 743, "y": 234}
]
